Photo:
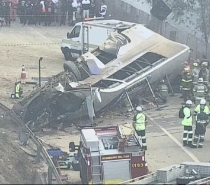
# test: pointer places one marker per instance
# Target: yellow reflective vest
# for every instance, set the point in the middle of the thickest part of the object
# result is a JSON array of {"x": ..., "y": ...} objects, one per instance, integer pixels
[
  {"x": 198, "y": 110},
  {"x": 140, "y": 122},
  {"x": 187, "y": 120}
]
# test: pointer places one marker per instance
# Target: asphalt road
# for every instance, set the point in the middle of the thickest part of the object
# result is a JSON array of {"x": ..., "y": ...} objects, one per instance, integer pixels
[{"x": 164, "y": 138}]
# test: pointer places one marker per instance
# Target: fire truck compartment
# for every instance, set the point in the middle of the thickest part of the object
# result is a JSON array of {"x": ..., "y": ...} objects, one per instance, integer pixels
[
  {"x": 116, "y": 171},
  {"x": 107, "y": 143}
]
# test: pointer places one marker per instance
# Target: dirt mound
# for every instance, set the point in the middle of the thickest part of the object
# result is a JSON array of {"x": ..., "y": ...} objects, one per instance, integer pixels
[{"x": 15, "y": 165}]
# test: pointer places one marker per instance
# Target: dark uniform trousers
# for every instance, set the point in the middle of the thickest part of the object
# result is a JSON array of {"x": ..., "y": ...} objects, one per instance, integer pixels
[
  {"x": 199, "y": 135},
  {"x": 142, "y": 135},
  {"x": 187, "y": 136}
]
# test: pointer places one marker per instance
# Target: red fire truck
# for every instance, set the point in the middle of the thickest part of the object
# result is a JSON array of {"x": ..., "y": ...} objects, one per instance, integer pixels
[{"x": 109, "y": 155}]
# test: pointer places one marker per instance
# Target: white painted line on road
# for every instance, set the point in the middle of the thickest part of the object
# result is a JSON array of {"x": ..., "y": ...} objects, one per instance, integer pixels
[{"x": 193, "y": 157}]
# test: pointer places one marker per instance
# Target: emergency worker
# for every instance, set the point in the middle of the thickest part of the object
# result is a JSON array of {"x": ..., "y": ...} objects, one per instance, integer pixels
[
  {"x": 186, "y": 66},
  {"x": 187, "y": 123},
  {"x": 186, "y": 85},
  {"x": 195, "y": 73},
  {"x": 200, "y": 130},
  {"x": 204, "y": 72},
  {"x": 200, "y": 91},
  {"x": 202, "y": 107},
  {"x": 140, "y": 126},
  {"x": 162, "y": 91},
  {"x": 17, "y": 90}
]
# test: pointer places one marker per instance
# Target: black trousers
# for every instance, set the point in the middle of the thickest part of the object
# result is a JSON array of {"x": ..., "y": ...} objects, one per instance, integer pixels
[
  {"x": 199, "y": 135},
  {"x": 187, "y": 136},
  {"x": 142, "y": 136},
  {"x": 186, "y": 94}
]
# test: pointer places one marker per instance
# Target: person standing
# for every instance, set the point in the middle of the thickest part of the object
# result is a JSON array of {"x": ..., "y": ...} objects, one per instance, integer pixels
[
  {"x": 139, "y": 121},
  {"x": 92, "y": 9},
  {"x": 38, "y": 13},
  {"x": 7, "y": 13},
  {"x": 162, "y": 92},
  {"x": 200, "y": 130},
  {"x": 186, "y": 85},
  {"x": 86, "y": 8},
  {"x": 103, "y": 9},
  {"x": 187, "y": 123},
  {"x": 195, "y": 73},
  {"x": 21, "y": 11},
  {"x": 204, "y": 73},
  {"x": 70, "y": 12},
  {"x": 200, "y": 91},
  {"x": 13, "y": 10},
  {"x": 1, "y": 14}
]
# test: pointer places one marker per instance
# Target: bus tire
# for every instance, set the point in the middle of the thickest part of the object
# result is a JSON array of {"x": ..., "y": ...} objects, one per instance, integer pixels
[
  {"x": 67, "y": 54},
  {"x": 72, "y": 68}
]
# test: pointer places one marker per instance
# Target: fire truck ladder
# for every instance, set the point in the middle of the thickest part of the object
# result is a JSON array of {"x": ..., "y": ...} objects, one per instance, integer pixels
[{"x": 96, "y": 168}]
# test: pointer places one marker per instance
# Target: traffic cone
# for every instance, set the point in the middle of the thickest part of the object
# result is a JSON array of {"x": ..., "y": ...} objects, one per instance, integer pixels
[{"x": 23, "y": 73}]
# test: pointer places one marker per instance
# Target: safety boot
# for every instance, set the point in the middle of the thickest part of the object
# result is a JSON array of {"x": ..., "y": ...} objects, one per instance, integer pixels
[{"x": 193, "y": 146}]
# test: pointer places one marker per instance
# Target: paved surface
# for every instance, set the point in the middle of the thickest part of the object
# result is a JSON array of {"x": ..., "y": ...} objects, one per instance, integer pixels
[{"x": 164, "y": 134}]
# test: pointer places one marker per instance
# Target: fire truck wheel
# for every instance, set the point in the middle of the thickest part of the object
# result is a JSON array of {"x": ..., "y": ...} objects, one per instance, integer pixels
[{"x": 73, "y": 69}]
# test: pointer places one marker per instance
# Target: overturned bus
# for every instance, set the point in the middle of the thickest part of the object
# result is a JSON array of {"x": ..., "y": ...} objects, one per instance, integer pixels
[{"x": 100, "y": 78}]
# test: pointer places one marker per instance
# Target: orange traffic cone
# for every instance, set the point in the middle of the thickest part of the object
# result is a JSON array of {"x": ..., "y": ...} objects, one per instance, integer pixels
[{"x": 23, "y": 73}]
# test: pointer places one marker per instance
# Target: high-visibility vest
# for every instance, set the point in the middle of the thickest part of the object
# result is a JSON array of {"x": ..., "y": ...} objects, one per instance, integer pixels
[
  {"x": 198, "y": 109},
  {"x": 140, "y": 122},
  {"x": 17, "y": 88},
  {"x": 187, "y": 120}
]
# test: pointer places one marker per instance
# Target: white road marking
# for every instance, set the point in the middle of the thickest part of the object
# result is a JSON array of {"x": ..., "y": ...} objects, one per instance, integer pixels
[{"x": 193, "y": 157}]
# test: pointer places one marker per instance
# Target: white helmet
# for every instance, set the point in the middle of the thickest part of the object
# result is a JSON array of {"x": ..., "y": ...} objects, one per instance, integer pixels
[
  {"x": 188, "y": 102},
  {"x": 203, "y": 102},
  {"x": 139, "y": 109},
  {"x": 200, "y": 80}
]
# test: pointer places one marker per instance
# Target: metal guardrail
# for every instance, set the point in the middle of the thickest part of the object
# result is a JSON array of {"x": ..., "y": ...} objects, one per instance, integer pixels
[
  {"x": 201, "y": 181},
  {"x": 41, "y": 151},
  {"x": 130, "y": 181}
]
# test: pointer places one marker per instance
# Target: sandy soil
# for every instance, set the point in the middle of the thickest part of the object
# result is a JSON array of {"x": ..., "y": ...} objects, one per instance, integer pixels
[{"x": 24, "y": 46}]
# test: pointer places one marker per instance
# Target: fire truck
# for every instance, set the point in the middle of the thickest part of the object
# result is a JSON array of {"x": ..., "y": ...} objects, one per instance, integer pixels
[{"x": 109, "y": 155}]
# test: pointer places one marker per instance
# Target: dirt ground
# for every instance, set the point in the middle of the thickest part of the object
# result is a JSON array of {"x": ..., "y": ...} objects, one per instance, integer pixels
[{"x": 24, "y": 46}]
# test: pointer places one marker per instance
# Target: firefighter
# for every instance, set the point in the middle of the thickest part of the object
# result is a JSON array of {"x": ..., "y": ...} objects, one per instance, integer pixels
[
  {"x": 162, "y": 92},
  {"x": 204, "y": 72},
  {"x": 195, "y": 73},
  {"x": 187, "y": 123},
  {"x": 186, "y": 85},
  {"x": 199, "y": 91},
  {"x": 200, "y": 130},
  {"x": 140, "y": 126},
  {"x": 186, "y": 66}
]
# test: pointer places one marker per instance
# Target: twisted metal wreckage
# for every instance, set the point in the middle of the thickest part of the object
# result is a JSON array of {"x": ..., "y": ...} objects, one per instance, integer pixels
[{"x": 104, "y": 75}]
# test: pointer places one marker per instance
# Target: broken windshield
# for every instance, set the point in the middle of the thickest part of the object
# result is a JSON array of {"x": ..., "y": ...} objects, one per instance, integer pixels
[{"x": 113, "y": 43}]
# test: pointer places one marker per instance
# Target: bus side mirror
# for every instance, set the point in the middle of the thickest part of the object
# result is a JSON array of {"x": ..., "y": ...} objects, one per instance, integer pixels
[{"x": 71, "y": 147}]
